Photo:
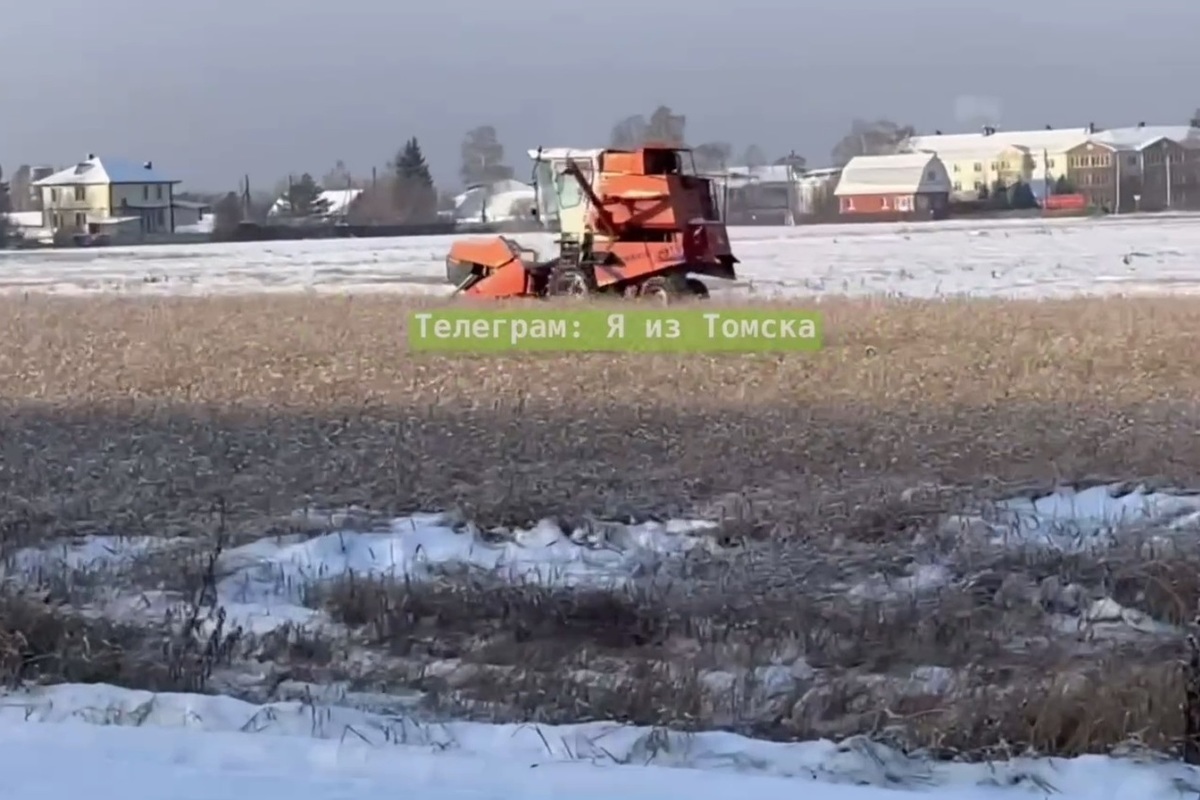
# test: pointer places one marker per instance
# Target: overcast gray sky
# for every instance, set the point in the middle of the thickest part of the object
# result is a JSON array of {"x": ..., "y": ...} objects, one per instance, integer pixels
[{"x": 212, "y": 89}]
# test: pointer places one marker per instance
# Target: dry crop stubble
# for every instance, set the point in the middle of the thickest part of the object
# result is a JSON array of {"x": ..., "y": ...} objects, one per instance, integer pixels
[
  {"x": 152, "y": 409},
  {"x": 144, "y": 416}
]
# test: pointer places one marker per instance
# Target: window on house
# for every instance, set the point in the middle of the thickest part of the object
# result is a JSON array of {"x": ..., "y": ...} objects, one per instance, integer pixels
[
  {"x": 956, "y": 167},
  {"x": 1050, "y": 163},
  {"x": 884, "y": 205},
  {"x": 978, "y": 166},
  {"x": 1133, "y": 161},
  {"x": 849, "y": 203},
  {"x": 145, "y": 192},
  {"x": 158, "y": 192},
  {"x": 80, "y": 220},
  {"x": 978, "y": 185},
  {"x": 904, "y": 203},
  {"x": 957, "y": 186},
  {"x": 54, "y": 196},
  {"x": 80, "y": 194}
]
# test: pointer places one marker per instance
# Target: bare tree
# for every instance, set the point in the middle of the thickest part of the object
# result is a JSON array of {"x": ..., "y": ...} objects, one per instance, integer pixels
[
  {"x": 664, "y": 127},
  {"x": 227, "y": 215},
  {"x": 712, "y": 156},
  {"x": 376, "y": 205},
  {"x": 667, "y": 128},
  {"x": 339, "y": 177},
  {"x": 5, "y": 208},
  {"x": 754, "y": 157},
  {"x": 797, "y": 162},
  {"x": 483, "y": 157},
  {"x": 629, "y": 133},
  {"x": 866, "y": 138},
  {"x": 21, "y": 189}
]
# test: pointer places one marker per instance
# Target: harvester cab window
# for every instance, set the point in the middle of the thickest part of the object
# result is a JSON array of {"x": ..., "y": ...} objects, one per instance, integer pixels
[
  {"x": 663, "y": 162},
  {"x": 569, "y": 192}
]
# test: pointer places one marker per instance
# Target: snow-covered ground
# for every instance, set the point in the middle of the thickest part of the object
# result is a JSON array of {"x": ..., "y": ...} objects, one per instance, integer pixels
[
  {"x": 105, "y": 743},
  {"x": 130, "y": 745},
  {"x": 1018, "y": 258}
]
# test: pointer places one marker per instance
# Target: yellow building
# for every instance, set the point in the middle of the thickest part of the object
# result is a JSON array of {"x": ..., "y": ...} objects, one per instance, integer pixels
[
  {"x": 121, "y": 198},
  {"x": 975, "y": 160}
]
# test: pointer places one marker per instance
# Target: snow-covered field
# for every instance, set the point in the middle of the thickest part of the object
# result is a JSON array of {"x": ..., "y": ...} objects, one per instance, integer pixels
[
  {"x": 105, "y": 743},
  {"x": 341, "y": 744},
  {"x": 1019, "y": 258}
]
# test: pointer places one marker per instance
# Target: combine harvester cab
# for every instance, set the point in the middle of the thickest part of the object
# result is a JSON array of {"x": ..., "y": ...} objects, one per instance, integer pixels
[{"x": 632, "y": 223}]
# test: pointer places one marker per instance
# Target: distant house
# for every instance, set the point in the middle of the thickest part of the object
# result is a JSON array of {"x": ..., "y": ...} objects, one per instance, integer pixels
[
  {"x": 189, "y": 213},
  {"x": 503, "y": 201},
  {"x": 120, "y": 198},
  {"x": 906, "y": 183},
  {"x": 335, "y": 203},
  {"x": 763, "y": 195},
  {"x": 26, "y": 225},
  {"x": 1152, "y": 167},
  {"x": 814, "y": 192},
  {"x": 978, "y": 161}
]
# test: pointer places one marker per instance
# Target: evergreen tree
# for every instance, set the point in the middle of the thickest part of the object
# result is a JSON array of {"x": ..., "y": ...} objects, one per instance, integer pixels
[
  {"x": 415, "y": 195},
  {"x": 304, "y": 198}
]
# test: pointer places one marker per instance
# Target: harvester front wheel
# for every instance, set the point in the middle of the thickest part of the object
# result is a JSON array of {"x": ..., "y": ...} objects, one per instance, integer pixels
[
  {"x": 570, "y": 282},
  {"x": 697, "y": 289}
]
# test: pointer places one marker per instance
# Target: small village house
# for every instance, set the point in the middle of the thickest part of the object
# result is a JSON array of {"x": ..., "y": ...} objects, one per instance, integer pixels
[
  {"x": 905, "y": 183},
  {"x": 814, "y": 192},
  {"x": 190, "y": 213},
  {"x": 121, "y": 199},
  {"x": 332, "y": 204},
  {"x": 763, "y": 195}
]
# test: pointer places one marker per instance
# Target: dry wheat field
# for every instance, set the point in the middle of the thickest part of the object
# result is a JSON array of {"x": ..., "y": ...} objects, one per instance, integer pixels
[{"x": 850, "y": 579}]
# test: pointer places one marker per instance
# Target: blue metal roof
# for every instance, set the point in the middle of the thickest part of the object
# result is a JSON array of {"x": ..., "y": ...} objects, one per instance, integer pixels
[
  {"x": 100, "y": 171},
  {"x": 126, "y": 170}
]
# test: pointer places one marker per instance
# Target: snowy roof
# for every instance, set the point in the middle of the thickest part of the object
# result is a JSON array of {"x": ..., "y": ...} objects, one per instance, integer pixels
[
  {"x": 337, "y": 201},
  {"x": 903, "y": 173},
  {"x": 769, "y": 173},
  {"x": 479, "y": 204},
  {"x": 563, "y": 153},
  {"x": 103, "y": 171},
  {"x": 25, "y": 219},
  {"x": 496, "y": 187},
  {"x": 1142, "y": 136},
  {"x": 966, "y": 145}
]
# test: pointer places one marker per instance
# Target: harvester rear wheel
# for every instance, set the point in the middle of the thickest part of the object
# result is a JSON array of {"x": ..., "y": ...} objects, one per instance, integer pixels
[{"x": 663, "y": 288}]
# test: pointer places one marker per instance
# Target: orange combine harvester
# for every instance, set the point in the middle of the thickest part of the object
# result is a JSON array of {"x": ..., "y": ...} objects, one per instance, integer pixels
[{"x": 636, "y": 223}]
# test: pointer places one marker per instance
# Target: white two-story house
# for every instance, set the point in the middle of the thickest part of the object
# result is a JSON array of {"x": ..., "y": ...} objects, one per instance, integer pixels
[{"x": 123, "y": 198}]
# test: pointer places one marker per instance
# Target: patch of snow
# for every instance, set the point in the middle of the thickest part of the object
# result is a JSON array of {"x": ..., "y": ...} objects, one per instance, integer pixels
[
  {"x": 130, "y": 745},
  {"x": 1083, "y": 519},
  {"x": 921, "y": 578},
  {"x": 262, "y": 584}
]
